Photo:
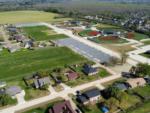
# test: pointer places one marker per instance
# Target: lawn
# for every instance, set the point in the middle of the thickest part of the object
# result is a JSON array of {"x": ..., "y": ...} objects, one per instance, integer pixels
[
  {"x": 13, "y": 17},
  {"x": 42, "y": 33},
  {"x": 139, "y": 36},
  {"x": 145, "y": 108},
  {"x": 16, "y": 65},
  {"x": 117, "y": 41}
]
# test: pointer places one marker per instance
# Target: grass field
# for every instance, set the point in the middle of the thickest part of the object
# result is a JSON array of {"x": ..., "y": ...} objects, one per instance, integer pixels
[
  {"x": 42, "y": 33},
  {"x": 16, "y": 65},
  {"x": 12, "y": 17},
  {"x": 146, "y": 42}
]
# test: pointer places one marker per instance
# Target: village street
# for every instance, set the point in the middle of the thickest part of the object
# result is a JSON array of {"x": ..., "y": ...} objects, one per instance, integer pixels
[{"x": 62, "y": 94}]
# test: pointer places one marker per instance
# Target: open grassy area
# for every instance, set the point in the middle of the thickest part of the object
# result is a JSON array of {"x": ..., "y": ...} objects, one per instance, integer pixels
[
  {"x": 12, "y": 17},
  {"x": 16, "y": 65},
  {"x": 42, "y": 33}
]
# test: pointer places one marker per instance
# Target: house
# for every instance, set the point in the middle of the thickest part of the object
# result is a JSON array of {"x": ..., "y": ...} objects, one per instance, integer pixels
[
  {"x": 63, "y": 107},
  {"x": 121, "y": 86},
  {"x": 13, "y": 90},
  {"x": 82, "y": 99},
  {"x": 135, "y": 82},
  {"x": 90, "y": 96},
  {"x": 72, "y": 75},
  {"x": 28, "y": 44},
  {"x": 40, "y": 82},
  {"x": 89, "y": 70}
]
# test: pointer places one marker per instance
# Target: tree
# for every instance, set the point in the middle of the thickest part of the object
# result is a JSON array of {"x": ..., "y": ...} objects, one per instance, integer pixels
[
  {"x": 5, "y": 100},
  {"x": 113, "y": 91},
  {"x": 141, "y": 70}
]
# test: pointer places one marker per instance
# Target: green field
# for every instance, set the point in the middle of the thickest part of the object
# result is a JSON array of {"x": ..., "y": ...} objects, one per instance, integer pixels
[
  {"x": 16, "y": 65},
  {"x": 42, "y": 33},
  {"x": 12, "y": 17}
]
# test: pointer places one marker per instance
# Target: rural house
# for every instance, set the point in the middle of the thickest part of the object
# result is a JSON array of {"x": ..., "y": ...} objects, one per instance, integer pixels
[
  {"x": 133, "y": 83},
  {"x": 89, "y": 70},
  {"x": 121, "y": 86},
  {"x": 90, "y": 96},
  {"x": 40, "y": 82},
  {"x": 63, "y": 107},
  {"x": 13, "y": 90},
  {"x": 71, "y": 75}
]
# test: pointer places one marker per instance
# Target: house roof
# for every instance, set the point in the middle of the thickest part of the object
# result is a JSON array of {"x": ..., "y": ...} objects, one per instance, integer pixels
[
  {"x": 41, "y": 82},
  {"x": 63, "y": 107},
  {"x": 121, "y": 86},
  {"x": 13, "y": 90},
  {"x": 2, "y": 91},
  {"x": 82, "y": 98},
  {"x": 72, "y": 75},
  {"x": 136, "y": 82},
  {"x": 92, "y": 93},
  {"x": 89, "y": 69}
]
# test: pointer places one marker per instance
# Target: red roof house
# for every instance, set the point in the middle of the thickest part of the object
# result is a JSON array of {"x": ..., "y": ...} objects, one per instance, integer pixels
[
  {"x": 72, "y": 75},
  {"x": 63, "y": 107}
]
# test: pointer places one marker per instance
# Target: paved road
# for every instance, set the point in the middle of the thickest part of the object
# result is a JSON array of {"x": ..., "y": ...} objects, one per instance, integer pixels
[{"x": 56, "y": 95}]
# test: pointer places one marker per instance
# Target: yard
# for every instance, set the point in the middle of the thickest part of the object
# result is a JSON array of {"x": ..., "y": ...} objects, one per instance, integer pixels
[
  {"x": 19, "y": 64},
  {"x": 85, "y": 78},
  {"x": 42, "y": 33},
  {"x": 13, "y": 17}
]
